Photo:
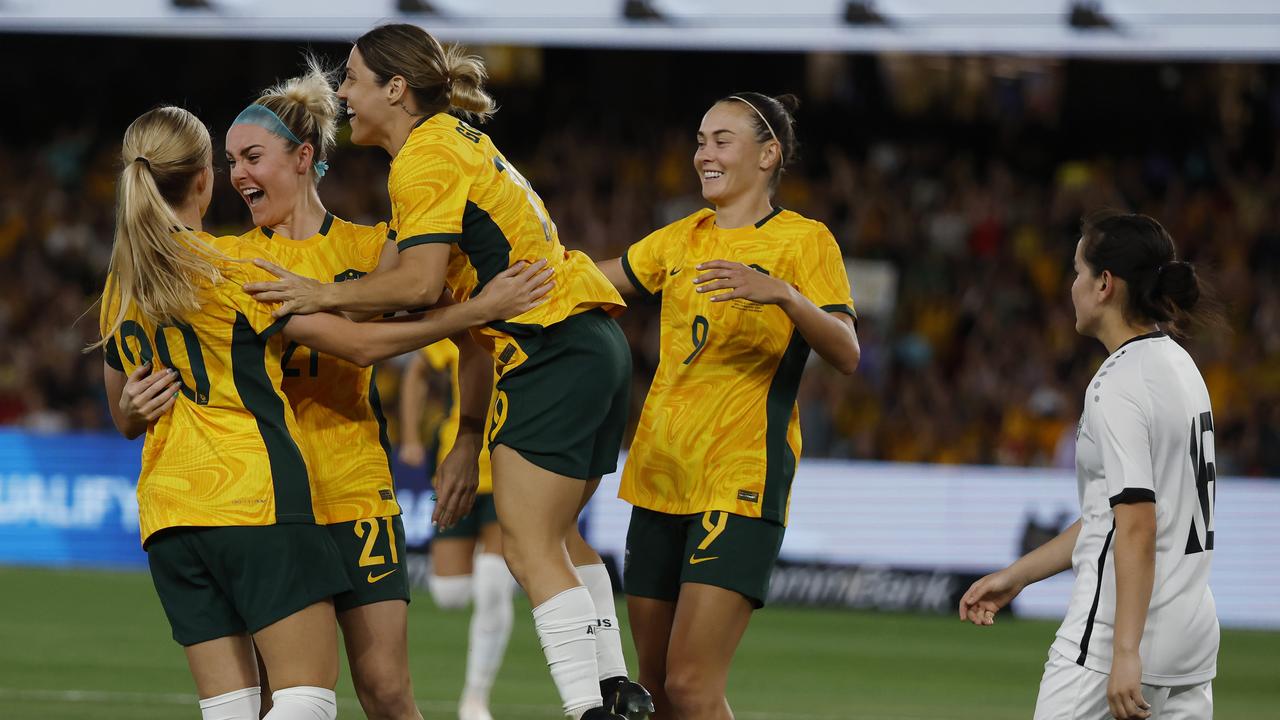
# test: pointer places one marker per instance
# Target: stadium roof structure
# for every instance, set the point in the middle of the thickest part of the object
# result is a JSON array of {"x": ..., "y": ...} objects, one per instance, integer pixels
[{"x": 1224, "y": 29}]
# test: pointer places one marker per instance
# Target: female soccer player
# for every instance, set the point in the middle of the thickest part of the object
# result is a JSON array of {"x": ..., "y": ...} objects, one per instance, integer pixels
[
  {"x": 745, "y": 290},
  {"x": 461, "y": 214},
  {"x": 277, "y": 149},
  {"x": 1141, "y": 634},
  {"x": 459, "y": 574},
  {"x": 224, "y": 496}
]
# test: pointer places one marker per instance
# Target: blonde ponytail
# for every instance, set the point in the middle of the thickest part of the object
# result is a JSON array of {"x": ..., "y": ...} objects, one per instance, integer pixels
[
  {"x": 156, "y": 265},
  {"x": 308, "y": 106},
  {"x": 466, "y": 77}
]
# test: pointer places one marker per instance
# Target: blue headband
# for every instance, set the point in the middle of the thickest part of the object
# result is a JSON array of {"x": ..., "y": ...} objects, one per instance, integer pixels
[{"x": 265, "y": 118}]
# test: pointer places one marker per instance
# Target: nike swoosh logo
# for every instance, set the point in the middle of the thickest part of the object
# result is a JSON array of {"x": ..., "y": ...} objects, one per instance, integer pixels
[
  {"x": 673, "y": 272},
  {"x": 695, "y": 560},
  {"x": 375, "y": 578}
]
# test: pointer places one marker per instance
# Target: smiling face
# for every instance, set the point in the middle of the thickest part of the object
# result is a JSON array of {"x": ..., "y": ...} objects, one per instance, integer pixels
[
  {"x": 266, "y": 174},
  {"x": 730, "y": 162},
  {"x": 368, "y": 106}
]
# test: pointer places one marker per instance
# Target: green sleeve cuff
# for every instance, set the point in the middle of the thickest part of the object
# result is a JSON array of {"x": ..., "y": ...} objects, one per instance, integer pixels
[
  {"x": 111, "y": 353},
  {"x": 416, "y": 240},
  {"x": 645, "y": 294}
]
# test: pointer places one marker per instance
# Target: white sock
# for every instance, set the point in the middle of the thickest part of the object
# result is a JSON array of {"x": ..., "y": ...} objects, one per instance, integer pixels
[
  {"x": 491, "y": 622},
  {"x": 303, "y": 703},
  {"x": 566, "y": 627},
  {"x": 242, "y": 704},
  {"x": 608, "y": 635},
  {"x": 450, "y": 592}
]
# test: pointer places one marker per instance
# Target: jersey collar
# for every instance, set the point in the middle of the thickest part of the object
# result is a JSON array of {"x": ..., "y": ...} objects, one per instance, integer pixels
[
  {"x": 1148, "y": 336},
  {"x": 324, "y": 227}
]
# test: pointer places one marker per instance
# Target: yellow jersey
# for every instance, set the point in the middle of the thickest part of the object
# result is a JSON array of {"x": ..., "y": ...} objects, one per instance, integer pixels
[
  {"x": 449, "y": 184},
  {"x": 344, "y": 433},
  {"x": 225, "y": 454},
  {"x": 720, "y": 429},
  {"x": 442, "y": 357}
]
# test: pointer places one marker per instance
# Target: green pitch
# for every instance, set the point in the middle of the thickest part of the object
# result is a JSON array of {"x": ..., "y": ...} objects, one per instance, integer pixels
[{"x": 83, "y": 644}]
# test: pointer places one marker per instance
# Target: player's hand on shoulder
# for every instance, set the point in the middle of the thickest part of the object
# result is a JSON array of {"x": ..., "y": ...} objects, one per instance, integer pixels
[
  {"x": 517, "y": 290},
  {"x": 298, "y": 295},
  {"x": 149, "y": 395},
  {"x": 988, "y": 595},
  {"x": 741, "y": 282},
  {"x": 1124, "y": 688}
]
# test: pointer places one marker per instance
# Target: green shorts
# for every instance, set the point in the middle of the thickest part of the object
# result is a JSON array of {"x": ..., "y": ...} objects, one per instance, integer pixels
[
  {"x": 220, "y": 581},
  {"x": 484, "y": 512},
  {"x": 373, "y": 556},
  {"x": 713, "y": 548},
  {"x": 565, "y": 408}
]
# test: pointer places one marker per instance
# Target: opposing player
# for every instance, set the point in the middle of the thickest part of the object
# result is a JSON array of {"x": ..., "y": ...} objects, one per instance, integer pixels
[
  {"x": 224, "y": 497},
  {"x": 1141, "y": 634},
  {"x": 745, "y": 291},
  {"x": 461, "y": 214},
  {"x": 277, "y": 150},
  {"x": 460, "y": 575}
]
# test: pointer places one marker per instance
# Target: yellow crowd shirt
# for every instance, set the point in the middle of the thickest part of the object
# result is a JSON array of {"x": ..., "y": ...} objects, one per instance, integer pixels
[
  {"x": 449, "y": 184},
  {"x": 720, "y": 429},
  {"x": 344, "y": 432},
  {"x": 442, "y": 357},
  {"x": 225, "y": 454}
]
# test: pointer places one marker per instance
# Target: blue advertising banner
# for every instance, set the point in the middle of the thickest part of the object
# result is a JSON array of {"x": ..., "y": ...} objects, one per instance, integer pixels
[{"x": 69, "y": 499}]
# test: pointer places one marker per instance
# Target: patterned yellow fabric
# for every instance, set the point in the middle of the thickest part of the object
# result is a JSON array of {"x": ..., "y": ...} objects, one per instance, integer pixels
[
  {"x": 225, "y": 454},
  {"x": 720, "y": 428},
  {"x": 443, "y": 358},
  {"x": 344, "y": 433},
  {"x": 449, "y": 184}
]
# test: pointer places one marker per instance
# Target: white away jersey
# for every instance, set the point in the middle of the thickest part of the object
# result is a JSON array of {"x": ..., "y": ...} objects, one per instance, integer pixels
[{"x": 1147, "y": 434}]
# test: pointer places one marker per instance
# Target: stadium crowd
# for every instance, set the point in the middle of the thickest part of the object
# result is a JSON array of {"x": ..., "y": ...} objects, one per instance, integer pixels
[{"x": 958, "y": 219}]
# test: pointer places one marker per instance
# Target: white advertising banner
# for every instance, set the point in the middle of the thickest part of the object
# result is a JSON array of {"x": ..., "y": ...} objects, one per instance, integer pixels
[{"x": 978, "y": 519}]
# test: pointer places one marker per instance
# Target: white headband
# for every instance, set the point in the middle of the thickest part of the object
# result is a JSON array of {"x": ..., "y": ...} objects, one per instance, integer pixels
[{"x": 782, "y": 158}]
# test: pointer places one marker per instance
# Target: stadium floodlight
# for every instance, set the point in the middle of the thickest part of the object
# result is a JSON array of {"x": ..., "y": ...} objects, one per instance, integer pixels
[
  {"x": 640, "y": 10},
  {"x": 1088, "y": 15},
  {"x": 864, "y": 13},
  {"x": 416, "y": 7}
]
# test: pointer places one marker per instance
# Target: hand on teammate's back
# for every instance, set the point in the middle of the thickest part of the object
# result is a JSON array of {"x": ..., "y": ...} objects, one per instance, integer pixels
[
  {"x": 517, "y": 290},
  {"x": 456, "y": 481},
  {"x": 988, "y": 596},
  {"x": 298, "y": 295},
  {"x": 147, "y": 396}
]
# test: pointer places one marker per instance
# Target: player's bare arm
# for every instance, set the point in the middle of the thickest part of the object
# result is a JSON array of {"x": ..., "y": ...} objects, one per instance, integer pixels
[
  {"x": 415, "y": 281},
  {"x": 994, "y": 592},
  {"x": 1135, "y": 573}
]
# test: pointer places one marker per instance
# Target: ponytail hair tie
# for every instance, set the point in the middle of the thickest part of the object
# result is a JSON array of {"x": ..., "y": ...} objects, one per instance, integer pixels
[
  {"x": 144, "y": 161},
  {"x": 321, "y": 167}
]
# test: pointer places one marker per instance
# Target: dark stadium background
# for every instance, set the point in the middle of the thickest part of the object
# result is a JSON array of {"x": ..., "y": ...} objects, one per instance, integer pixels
[
  {"x": 967, "y": 175},
  {"x": 955, "y": 185}
]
